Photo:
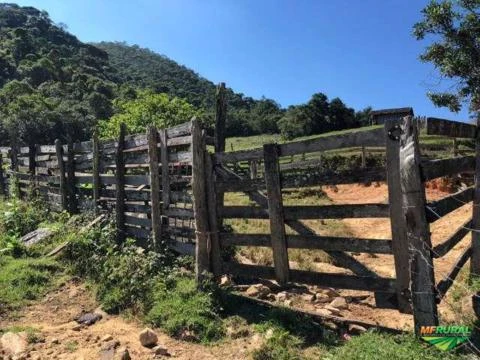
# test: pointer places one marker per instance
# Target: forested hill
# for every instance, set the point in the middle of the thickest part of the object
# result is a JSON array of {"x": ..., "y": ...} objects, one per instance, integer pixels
[
  {"x": 141, "y": 67},
  {"x": 54, "y": 86},
  {"x": 51, "y": 84}
]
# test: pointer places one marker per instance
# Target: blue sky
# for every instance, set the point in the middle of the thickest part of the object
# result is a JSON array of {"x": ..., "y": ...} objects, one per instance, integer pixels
[{"x": 359, "y": 50}]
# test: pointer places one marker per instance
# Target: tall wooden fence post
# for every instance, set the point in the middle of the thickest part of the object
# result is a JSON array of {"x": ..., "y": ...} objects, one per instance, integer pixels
[
  {"x": 275, "y": 211},
  {"x": 418, "y": 231},
  {"x": 96, "y": 172},
  {"x": 200, "y": 206},
  {"x": 72, "y": 189},
  {"x": 397, "y": 220},
  {"x": 120, "y": 186},
  {"x": 475, "y": 259},
  {"x": 152, "y": 135},
  {"x": 61, "y": 169},
  {"x": 213, "y": 216},
  {"x": 165, "y": 170},
  {"x": 2, "y": 177},
  {"x": 219, "y": 138}
]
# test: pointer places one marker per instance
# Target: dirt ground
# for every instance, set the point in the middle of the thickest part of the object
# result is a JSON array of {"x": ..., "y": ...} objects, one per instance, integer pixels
[{"x": 54, "y": 315}]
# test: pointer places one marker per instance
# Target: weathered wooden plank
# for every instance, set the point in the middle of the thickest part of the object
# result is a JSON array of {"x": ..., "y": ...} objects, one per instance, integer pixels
[
  {"x": 156, "y": 222},
  {"x": 165, "y": 169},
  {"x": 200, "y": 206},
  {"x": 374, "y": 137},
  {"x": 275, "y": 211},
  {"x": 303, "y": 180},
  {"x": 338, "y": 281},
  {"x": 311, "y": 211},
  {"x": 179, "y": 213},
  {"x": 213, "y": 216},
  {"x": 475, "y": 258},
  {"x": 180, "y": 130},
  {"x": 134, "y": 180},
  {"x": 397, "y": 221},
  {"x": 448, "y": 279},
  {"x": 439, "y": 208},
  {"x": 451, "y": 128},
  {"x": 305, "y": 164},
  {"x": 182, "y": 247},
  {"x": 63, "y": 181},
  {"x": 70, "y": 167},
  {"x": 137, "y": 208},
  {"x": 96, "y": 170},
  {"x": 443, "y": 248},
  {"x": 120, "y": 186},
  {"x": 138, "y": 221},
  {"x": 433, "y": 169},
  {"x": 136, "y": 232},
  {"x": 220, "y": 117},
  {"x": 418, "y": 230},
  {"x": 373, "y": 246}
]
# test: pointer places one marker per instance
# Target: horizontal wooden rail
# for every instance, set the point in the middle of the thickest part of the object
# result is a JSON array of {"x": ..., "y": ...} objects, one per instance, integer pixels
[
  {"x": 372, "y": 246},
  {"x": 442, "y": 207},
  {"x": 433, "y": 169},
  {"x": 448, "y": 280},
  {"x": 338, "y": 281},
  {"x": 307, "y": 179},
  {"x": 443, "y": 248},
  {"x": 450, "y": 128},
  {"x": 311, "y": 211},
  {"x": 373, "y": 137}
]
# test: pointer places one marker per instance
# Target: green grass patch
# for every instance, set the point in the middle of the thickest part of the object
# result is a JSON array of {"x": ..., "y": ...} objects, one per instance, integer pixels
[
  {"x": 25, "y": 279},
  {"x": 181, "y": 310},
  {"x": 375, "y": 346}
]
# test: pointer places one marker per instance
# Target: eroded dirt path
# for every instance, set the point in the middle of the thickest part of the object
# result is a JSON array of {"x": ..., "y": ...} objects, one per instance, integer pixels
[{"x": 53, "y": 317}]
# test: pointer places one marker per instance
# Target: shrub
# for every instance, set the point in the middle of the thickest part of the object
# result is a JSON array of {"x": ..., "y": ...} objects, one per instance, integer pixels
[{"x": 279, "y": 345}]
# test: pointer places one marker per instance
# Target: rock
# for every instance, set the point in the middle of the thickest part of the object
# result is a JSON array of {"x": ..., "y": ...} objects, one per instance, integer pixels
[
  {"x": 308, "y": 297},
  {"x": 72, "y": 293},
  {"x": 89, "y": 319},
  {"x": 236, "y": 332},
  {"x": 339, "y": 303},
  {"x": 99, "y": 311},
  {"x": 330, "y": 292},
  {"x": 323, "y": 312},
  {"x": 187, "y": 335},
  {"x": 333, "y": 310},
  {"x": 269, "y": 334},
  {"x": 107, "y": 354},
  {"x": 225, "y": 281},
  {"x": 160, "y": 350},
  {"x": 54, "y": 341},
  {"x": 148, "y": 338},
  {"x": 288, "y": 302},
  {"x": 113, "y": 344},
  {"x": 258, "y": 290},
  {"x": 322, "y": 298},
  {"x": 107, "y": 338},
  {"x": 123, "y": 354},
  {"x": 14, "y": 343},
  {"x": 77, "y": 327},
  {"x": 282, "y": 296},
  {"x": 356, "y": 329}
]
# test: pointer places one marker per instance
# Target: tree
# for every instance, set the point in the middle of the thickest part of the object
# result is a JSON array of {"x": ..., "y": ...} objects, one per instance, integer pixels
[
  {"x": 146, "y": 109},
  {"x": 455, "y": 51}
]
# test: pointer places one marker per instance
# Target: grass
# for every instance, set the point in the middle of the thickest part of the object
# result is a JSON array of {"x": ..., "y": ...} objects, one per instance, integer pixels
[
  {"x": 25, "y": 279},
  {"x": 181, "y": 310},
  {"x": 33, "y": 334}
]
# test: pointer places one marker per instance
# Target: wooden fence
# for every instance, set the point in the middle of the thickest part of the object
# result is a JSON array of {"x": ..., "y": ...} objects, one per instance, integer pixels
[
  {"x": 145, "y": 178},
  {"x": 414, "y": 288},
  {"x": 165, "y": 185}
]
